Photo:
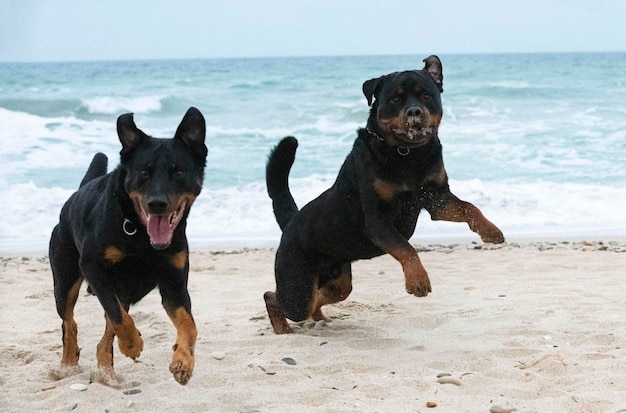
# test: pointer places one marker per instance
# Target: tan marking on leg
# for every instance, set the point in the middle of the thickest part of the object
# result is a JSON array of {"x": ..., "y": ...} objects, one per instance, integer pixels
[
  {"x": 128, "y": 337},
  {"x": 416, "y": 278},
  {"x": 415, "y": 275},
  {"x": 104, "y": 350},
  {"x": 276, "y": 315},
  {"x": 183, "y": 360},
  {"x": 71, "y": 351},
  {"x": 332, "y": 292},
  {"x": 114, "y": 255},
  {"x": 457, "y": 210},
  {"x": 179, "y": 260}
]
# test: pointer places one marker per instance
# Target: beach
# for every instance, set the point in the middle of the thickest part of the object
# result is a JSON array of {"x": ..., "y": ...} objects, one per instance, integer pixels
[{"x": 527, "y": 326}]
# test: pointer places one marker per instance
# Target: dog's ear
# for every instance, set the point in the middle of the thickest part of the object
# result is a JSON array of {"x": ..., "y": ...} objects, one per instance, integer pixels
[
  {"x": 435, "y": 68},
  {"x": 130, "y": 136},
  {"x": 192, "y": 131},
  {"x": 370, "y": 89}
]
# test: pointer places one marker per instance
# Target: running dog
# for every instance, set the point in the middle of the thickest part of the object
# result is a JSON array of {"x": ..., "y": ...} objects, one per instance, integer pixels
[
  {"x": 124, "y": 233},
  {"x": 395, "y": 169}
]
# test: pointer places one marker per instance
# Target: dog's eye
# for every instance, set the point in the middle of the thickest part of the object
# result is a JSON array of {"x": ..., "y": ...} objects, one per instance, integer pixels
[
  {"x": 179, "y": 173},
  {"x": 426, "y": 97},
  {"x": 144, "y": 172},
  {"x": 396, "y": 100}
]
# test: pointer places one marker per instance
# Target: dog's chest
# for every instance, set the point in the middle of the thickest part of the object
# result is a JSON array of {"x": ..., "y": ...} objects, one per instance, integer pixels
[{"x": 388, "y": 190}]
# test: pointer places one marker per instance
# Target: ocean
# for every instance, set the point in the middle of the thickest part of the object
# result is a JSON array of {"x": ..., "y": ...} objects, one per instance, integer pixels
[{"x": 536, "y": 141}]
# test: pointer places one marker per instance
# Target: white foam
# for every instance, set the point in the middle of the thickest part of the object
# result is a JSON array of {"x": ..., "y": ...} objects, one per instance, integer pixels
[
  {"x": 109, "y": 105},
  {"x": 242, "y": 214},
  {"x": 38, "y": 143}
]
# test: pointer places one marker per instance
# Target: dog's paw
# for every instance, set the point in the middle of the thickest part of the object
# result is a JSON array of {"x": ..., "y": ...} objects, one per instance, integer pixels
[
  {"x": 418, "y": 284},
  {"x": 416, "y": 278},
  {"x": 419, "y": 287},
  {"x": 182, "y": 365},
  {"x": 418, "y": 290},
  {"x": 492, "y": 235},
  {"x": 131, "y": 346}
]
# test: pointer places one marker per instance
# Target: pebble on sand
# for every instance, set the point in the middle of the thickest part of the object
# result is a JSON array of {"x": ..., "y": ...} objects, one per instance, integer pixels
[
  {"x": 449, "y": 380},
  {"x": 78, "y": 387},
  {"x": 320, "y": 325},
  {"x": 499, "y": 409},
  {"x": 218, "y": 355},
  {"x": 289, "y": 361}
]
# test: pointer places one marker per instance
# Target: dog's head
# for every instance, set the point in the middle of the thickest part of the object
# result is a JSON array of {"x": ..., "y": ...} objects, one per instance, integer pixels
[
  {"x": 406, "y": 106},
  {"x": 163, "y": 177}
]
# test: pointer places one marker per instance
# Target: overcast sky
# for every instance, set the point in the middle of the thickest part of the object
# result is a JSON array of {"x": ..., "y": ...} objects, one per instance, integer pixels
[{"x": 61, "y": 30}]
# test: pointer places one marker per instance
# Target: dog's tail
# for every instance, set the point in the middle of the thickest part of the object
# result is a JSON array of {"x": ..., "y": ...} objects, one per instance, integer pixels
[
  {"x": 277, "y": 179},
  {"x": 97, "y": 168}
]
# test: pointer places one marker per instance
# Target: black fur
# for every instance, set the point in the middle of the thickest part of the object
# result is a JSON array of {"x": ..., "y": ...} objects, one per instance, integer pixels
[
  {"x": 102, "y": 235},
  {"x": 395, "y": 169}
]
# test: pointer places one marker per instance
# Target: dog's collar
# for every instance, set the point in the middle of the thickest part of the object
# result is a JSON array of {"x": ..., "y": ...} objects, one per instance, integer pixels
[
  {"x": 129, "y": 227},
  {"x": 374, "y": 134},
  {"x": 402, "y": 150}
]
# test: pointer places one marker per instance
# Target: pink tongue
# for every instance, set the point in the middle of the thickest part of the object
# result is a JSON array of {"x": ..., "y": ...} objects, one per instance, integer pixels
[{"x": 159, "y": 230}]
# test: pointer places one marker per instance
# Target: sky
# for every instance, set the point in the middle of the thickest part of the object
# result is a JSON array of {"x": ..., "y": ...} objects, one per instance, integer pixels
[{"x": 79, "y": 30}]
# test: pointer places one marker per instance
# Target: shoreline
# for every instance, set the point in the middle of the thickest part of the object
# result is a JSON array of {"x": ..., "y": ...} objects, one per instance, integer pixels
[
  {"x": 418, "y": 241},
  {"x": 421, "y": 244}
]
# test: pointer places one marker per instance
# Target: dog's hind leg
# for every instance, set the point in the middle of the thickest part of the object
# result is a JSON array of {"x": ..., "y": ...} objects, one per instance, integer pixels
[
  {"x": 65, "y": 307},
  {"x": 67, "y": 282},
  {"x": 276, "y": 315},
  {"x": 333, "y": 291},
  {"x": 296, "y": 283},
  {"x": 104, "y": 351}
]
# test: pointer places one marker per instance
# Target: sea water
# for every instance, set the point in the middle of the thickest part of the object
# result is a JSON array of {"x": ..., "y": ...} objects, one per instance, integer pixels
[{"x": 536, "y": 141}]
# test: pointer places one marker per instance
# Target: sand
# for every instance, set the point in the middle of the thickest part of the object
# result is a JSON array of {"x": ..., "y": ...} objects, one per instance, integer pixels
[{"x": 525, "y": 327}]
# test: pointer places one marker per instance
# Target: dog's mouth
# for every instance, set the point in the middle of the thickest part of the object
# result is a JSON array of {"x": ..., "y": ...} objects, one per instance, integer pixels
[
  {"x": 415, "y": 136},
  {"x": 412, "y": 133},
  {"x": 160, "y": 227}
]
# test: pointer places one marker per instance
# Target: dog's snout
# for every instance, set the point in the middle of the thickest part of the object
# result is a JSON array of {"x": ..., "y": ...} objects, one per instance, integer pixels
[
  {"x": 414, "y": 111},
  {"x": 157, "y": 204}
]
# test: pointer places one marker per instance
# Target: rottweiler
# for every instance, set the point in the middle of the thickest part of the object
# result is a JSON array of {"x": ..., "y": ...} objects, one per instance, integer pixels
[
  {"x": 124, "y": 233},
  {"x": 395, "y": 169}
]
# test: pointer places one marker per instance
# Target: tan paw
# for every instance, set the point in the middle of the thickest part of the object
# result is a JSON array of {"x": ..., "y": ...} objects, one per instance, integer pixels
[
  {"x": 418, "y": 285},
  {"x": 182, "y": 365},
  {"x": 492, "y": 234},
  {"x": 131, "y": 346}
]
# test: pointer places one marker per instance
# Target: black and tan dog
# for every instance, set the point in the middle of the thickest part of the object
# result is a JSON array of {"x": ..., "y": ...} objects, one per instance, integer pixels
[
  {"x": 124, "y": 233},
  {"x": 394, "y": 170}
]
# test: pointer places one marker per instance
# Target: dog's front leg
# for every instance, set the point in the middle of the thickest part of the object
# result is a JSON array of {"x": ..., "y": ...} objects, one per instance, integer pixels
[
  {"x": 177, "y": 304},
  {"x": 120, "y": 322},
  {"x": 183, "y": 360},
  {"x": 456, "y": 210},
  {"x": 415, "y": 275},
  {"x": 382, "y": 233}
]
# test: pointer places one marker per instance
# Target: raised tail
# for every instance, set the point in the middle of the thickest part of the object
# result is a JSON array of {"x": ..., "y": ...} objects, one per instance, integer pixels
[
  {"x": 97, "y": 168},
  {"x": 277, "y": 179}
]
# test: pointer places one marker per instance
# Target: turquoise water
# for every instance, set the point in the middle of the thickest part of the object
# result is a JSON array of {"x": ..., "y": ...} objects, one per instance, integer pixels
[{"x": 537, "y": 141}]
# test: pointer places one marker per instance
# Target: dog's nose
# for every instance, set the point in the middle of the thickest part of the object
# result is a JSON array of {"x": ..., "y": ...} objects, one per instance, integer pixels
[
  {"x": 414, "y": 111},
  {"x": 157, "y": 204}
]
